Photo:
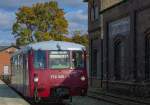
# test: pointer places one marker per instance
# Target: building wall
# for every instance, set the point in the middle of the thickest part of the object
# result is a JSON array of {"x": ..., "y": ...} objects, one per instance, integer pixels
[
  {"x": 95, "y": 40},
  {"x": 5, "y": 59},
  {"x": 132, "y": 75},
  {"x": 143, "y": 29},
  {"x": 95, "y": 28},
  {"x": 126, "y": 22}
]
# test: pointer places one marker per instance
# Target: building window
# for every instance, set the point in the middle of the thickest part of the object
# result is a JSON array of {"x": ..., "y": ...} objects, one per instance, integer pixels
[
  {"x": 118, "y": 59},
  {"x": 147, "y": 58},
  {"x": 119, "y": 27},
  {"x": 39, "y": 59},
  {"x": 96, "y": 12},
  {"x": 94, "y": 63},
  {"x": 6, "y": 70},
  {"x": 92, "y": 14}
]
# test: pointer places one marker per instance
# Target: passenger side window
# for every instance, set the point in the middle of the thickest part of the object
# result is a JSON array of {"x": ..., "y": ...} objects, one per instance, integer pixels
[
  {"x": 39, "y": 59},
  {"x": 77, "y": 59}
]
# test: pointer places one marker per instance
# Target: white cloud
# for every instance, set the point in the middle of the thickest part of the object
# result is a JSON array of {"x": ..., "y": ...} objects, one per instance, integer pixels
[
  {"x": 77, "y": 26},
  {"x": 74, "y": 4},
  {"x": 79, "y": 16},
  {"x": 14, "y": 4},
  {"x": 77, "y": 20},
  {"x": 6, "y": 20}
]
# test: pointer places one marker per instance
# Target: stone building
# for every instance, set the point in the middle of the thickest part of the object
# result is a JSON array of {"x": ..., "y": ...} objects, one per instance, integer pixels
[
  {"x": 124, "y": 43},
  {"x": 94, "y": 36}
]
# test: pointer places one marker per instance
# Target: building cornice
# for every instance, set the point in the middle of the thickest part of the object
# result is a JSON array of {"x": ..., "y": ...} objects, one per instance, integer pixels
[{"x": 117, "y": 4}]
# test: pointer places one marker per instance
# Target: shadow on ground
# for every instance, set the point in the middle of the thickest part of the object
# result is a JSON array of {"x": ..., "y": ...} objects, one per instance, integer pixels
[{"x": 6, "y": 91}]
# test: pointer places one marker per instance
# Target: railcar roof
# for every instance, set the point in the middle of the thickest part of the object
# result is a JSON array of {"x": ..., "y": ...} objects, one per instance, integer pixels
[
  {"x": 52, "y": 45},
  {"x": 56, "y": 45}
]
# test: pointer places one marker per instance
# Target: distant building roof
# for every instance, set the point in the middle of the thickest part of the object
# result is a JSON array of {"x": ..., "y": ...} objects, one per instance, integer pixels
[
  {"x": 6, "y": 47},
  {"x": 3, "y": 47}
]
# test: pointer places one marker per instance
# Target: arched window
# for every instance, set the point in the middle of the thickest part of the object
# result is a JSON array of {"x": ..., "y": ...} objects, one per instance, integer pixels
[
  {"x": 147, "y": 58},
  {"x": 94, "y": 63},
  {"x": 92, "y": 14},
  {"x": 118, "y": 59},
  {"x": 96, "y": 12}
]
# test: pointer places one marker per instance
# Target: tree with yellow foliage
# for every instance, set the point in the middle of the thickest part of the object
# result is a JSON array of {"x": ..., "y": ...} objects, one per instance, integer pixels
[
  {"x": 41, "y": 22},
  {"x": 80, "y": 38}
]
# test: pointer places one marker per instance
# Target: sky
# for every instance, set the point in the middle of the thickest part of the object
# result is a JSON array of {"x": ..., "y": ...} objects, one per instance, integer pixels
[{"x": 75, "y": 13}]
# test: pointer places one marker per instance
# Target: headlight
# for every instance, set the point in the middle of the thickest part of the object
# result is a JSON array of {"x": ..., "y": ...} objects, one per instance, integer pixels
[
  {"x": 82, "y": 78},
  {"x": 36, "y": 79}
]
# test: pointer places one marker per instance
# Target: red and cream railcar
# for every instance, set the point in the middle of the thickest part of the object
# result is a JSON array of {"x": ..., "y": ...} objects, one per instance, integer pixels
[{"x": 50, "y": 69}]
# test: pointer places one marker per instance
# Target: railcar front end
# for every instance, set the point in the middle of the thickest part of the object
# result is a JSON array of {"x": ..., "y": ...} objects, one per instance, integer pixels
[
  {"x": 58, "y": 74},
  {"x": 50, "y": 69}
]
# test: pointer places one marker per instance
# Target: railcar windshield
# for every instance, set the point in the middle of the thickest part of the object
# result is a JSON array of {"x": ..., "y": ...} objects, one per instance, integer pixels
[
  {"x": 39, "y": 59},
  {"x": 59, "y": 59},
  {"x": 77, "y": 59}
]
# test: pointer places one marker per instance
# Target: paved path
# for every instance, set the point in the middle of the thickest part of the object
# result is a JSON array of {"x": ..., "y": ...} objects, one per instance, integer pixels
[{"x": 9, "y": 97}]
